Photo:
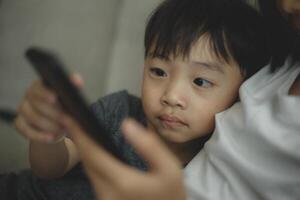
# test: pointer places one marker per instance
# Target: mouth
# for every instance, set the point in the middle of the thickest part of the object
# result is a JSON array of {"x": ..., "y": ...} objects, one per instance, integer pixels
[{"x": 169, "y": 121}]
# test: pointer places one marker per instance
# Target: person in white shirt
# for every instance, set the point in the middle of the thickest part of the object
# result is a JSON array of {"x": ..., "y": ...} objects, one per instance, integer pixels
[{"x": 254, "y": 152}]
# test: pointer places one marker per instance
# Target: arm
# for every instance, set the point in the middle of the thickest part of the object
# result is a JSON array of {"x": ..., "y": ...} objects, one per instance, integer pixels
[
  {"x": 53, "y": 160},
  {"x": 39, "y": 120},
  {"x": 114, "y": 180}
]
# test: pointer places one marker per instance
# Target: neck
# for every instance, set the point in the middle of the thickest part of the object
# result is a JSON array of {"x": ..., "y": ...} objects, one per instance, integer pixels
[
  {"x": 185, "y": 152},
  {"x": 295, "y": 89}
]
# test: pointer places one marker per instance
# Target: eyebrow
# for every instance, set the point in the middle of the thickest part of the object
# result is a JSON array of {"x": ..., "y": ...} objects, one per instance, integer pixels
[
  {"x": 159, "y": 56},
  {"x": 209, "y": 65}
]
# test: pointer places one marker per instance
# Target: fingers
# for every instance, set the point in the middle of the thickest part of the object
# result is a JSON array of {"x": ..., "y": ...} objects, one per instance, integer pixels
[
  {"x": 38, "y": 91},
  {"x": 149, "y": 146},
  {"x": 31, "y": 133},
  {"x": 100, "y": 185},
  {"x": 77, "y": 80},
  {"x": 38, "y": 114},
  {"x": 42, "y": 117},
  {"x": 112, "y": 179},
  {"x": 53, "y": 112}
]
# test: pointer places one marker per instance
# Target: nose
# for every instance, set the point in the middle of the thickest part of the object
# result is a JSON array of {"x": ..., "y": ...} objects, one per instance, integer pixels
[{"x": 175, "y": 96}]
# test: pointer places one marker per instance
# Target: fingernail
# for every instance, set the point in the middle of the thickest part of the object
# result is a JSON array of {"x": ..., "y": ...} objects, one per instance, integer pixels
[{"x": 78, "y": 79}]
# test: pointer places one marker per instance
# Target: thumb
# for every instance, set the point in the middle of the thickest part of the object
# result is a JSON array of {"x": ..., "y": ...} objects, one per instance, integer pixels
[
  {"x": 77, "y": 80},
  {"x": 149, "y": 146}
]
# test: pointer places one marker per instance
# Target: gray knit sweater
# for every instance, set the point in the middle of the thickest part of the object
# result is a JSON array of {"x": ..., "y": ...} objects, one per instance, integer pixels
[{"x": 111, "y": 110}]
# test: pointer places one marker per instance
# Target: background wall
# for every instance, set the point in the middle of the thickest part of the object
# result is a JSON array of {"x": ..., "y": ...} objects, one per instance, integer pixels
[
  {"x": 81, "y": 33},
  {"x": 101, "y": 39},
  {"x": 126, "y": 62}
]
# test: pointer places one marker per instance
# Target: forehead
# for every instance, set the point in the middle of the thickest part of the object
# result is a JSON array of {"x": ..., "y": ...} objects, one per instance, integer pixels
[
  {"x": 203, "y": 54},
  {"x": 203, "y": 50}
]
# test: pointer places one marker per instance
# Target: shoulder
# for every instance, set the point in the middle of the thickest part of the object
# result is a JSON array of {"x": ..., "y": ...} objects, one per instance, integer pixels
[
  {"x": 117, "y": 106},
  {"x": 112, "y": 110},
  {"x": 121, "y": 100}
]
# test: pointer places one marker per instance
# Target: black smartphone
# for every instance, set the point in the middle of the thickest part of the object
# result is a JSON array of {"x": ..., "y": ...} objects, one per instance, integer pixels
[{"x": 55, "y": 77}]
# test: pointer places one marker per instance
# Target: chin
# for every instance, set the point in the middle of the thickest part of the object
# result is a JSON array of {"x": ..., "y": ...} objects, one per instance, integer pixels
[{"x": 173, "y": 137}]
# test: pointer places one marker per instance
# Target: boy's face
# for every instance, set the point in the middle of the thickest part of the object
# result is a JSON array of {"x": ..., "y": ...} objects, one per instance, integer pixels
[{"x": 181, "y": 96}]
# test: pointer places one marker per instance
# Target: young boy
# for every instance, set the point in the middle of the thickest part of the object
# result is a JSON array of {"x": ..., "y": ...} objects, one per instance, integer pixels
[{"x": 197, "y": 54}]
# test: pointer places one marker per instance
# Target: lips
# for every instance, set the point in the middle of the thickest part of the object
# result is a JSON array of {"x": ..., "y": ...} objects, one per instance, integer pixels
[{"x": 171, "y": 121}]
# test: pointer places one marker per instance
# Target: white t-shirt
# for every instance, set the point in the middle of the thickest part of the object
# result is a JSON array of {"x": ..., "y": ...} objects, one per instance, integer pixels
[{"x": 254, "y": 152}]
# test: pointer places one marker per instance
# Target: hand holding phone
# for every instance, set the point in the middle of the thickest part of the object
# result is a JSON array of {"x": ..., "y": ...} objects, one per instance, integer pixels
[{"x": 54, "y": 75}]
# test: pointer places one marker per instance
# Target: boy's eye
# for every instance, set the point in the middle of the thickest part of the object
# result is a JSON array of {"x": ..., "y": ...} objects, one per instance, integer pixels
[
  {"x": 202, "y": 82},
  {"x": 158, "y": 72}
]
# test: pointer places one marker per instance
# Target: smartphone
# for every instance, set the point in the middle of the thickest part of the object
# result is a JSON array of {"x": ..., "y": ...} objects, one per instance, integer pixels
[{"x": 56, "y": 78}]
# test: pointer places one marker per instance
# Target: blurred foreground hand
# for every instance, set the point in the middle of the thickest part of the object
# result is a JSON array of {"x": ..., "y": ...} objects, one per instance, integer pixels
[{"x": 114, "y": 180}]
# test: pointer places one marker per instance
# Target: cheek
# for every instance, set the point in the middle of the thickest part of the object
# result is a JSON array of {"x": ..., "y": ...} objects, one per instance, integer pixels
[
  {"x": 202, "y": 114},
  {"x": 217, "y": 101},
  {"x": 228, "y": 94},
  {"x": 202, "y": 118},
  {"x": 227, "y": 99},
  {"x": 150, "y": 96}
]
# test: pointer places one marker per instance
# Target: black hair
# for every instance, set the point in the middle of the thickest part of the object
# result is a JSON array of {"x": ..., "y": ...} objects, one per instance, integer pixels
[
  {"x": 236, "y": 30},
  {"x": 285, "y": 39}
]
